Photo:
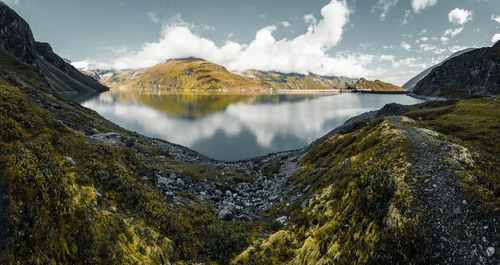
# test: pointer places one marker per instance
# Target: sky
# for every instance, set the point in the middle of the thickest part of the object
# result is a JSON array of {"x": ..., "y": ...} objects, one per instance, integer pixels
[{"x": 390, "y": 40}]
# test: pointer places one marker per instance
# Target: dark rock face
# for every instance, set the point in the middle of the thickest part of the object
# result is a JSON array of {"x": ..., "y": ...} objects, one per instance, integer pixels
[
  {"x": 475, "y": 73},
  {"x": 412, "y": 82},
  {"x": 16, "y": 38}
]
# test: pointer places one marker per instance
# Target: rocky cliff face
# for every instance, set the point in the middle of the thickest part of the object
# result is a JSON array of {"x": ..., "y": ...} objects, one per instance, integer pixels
[
  {"x": 412, "y": 82},
  {"x": 16, "y": 38},
  {"x": 475, "y": 73}
]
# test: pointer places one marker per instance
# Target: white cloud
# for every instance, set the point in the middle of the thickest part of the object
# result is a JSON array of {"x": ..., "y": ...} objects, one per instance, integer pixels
[
  {"x": 230, "y": 35},
  {"x": 422, "y": 32},
  {"x": 459, "y": 16},
  {"x": 405, "y": 45},
  {"x": 453, "y": 32},
  {"x": 419, "y": 5},
  {"x": 310, "y": 19},
  {"x": 426, "y": 47},
  {"x": 444, "y": 39},
  {"x": 495, "y": 37},
  {"x": 12, "y": 2},
  {"x": 303, "y": 54},
  {"x": 285, "y": 24},
  {"x": 407, "y": 17},
  {"x": 153, "y": 17},
  {"x": 495, "y": 18},
  {"x": 384, "y": 6},
  {"x": 116, "y": 50}
]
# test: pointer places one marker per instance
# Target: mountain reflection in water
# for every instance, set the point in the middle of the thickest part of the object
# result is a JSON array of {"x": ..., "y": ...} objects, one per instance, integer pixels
[{"x": 232, "y": 125}]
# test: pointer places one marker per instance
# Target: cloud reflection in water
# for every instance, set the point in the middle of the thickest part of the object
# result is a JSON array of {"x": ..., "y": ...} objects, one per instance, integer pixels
[{"x": 243, "y": 129}]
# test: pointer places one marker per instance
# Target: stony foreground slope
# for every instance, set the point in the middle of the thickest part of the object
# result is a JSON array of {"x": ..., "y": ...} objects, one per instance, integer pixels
[{"x": 422, "y": 188}]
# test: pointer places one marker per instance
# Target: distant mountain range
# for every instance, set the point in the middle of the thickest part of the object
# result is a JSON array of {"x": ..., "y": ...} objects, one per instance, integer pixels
[
  {"x": 16, "y": 38},
  {"x": 293, "y": 81},
  {"x": 412, "y": 82},
  {"x": 199, "y": 74}
]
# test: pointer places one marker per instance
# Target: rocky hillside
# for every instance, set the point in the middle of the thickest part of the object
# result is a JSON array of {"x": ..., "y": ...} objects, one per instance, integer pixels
[
  {"x": 277, "y": 80},
  {"x": 418, "y": 187},
  {"x": 475, "y": 73},
  {"x": 189, "y": 73},
  {"x": 377, "y": 85},
  {"x": 192, "y": 73},
  {"x": 412, "y": 82},
  {"x": 16, "y": 38}
]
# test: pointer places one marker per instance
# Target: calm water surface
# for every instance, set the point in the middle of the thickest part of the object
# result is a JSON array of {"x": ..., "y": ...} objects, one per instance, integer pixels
[{"x": 233, "y": 126}]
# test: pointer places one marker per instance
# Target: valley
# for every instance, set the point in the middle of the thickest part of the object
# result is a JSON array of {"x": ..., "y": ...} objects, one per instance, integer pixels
[{"x": 186, "y": 162}]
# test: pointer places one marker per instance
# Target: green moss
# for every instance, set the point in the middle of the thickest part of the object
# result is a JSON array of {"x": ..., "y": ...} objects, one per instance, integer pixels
[
  {"x": 95, "y": 208},
  {"x": 358, "y": 211}
]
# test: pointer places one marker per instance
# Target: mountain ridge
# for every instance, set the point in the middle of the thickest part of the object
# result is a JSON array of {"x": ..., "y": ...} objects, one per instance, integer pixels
[
  {"x": 410, "y": 84},
  {"x": 376, "y": 85},
  {"x": 17, "y": 38},
  {"x": 474, "y": 73}
]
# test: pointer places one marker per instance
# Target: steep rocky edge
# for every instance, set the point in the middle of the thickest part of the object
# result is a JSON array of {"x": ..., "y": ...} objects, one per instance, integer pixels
[
  {"x": 377, "y": 85},
  {"x": 181, "y": 74},
  {"x": 16, "y": 37},
  {"x": 413, "y": 189},
  {"x": 412, "y": 82},
  {"x": 474, "y": 73},
  {"x": 276, "y": 80}
]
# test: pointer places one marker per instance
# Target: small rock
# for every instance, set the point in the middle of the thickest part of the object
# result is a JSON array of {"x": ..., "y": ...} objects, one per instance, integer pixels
[
  {"x": 304, "y": 204},
  {"x": 229, "y": 193},
  {"x": 99, "y": 195},
  {"x": 282, "y": 220},
  {"x": 464, "y": 202},
  {"x": 273, "y": 198},
  {"x": 490, "y": 251},
  {"x": 70, "y": 160},
  {"x": 172, "y": 175},
  {"x": 456, "y": 210},
  {"x": 180, "y": 182},
  {"x": 225, "y": 214},
  {"x": 163, "y": 181}
]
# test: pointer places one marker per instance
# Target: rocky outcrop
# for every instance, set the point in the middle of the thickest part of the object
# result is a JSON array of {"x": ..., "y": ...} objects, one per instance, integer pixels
[
  {"x": 16, "y": 38},
  {"x": 377, "y": 85},
  {"x": 475, "y": 73},
  {"x": 412, "y": 82}
]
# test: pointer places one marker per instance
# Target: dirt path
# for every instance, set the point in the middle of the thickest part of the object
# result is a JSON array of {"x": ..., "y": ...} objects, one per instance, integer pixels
[{"x": 459, "y": 233}]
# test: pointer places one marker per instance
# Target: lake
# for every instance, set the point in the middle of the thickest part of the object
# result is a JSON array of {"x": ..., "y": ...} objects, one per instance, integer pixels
[{"x": 235, "y": 125}]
